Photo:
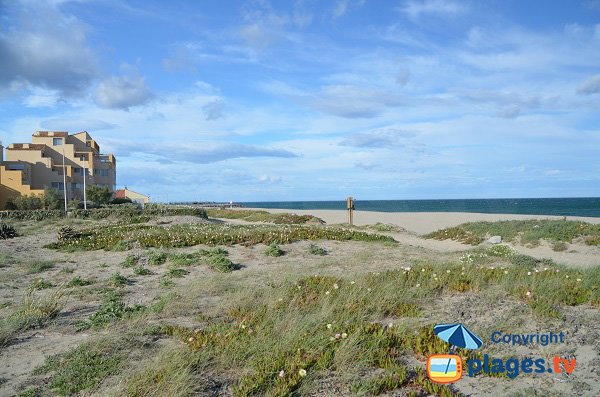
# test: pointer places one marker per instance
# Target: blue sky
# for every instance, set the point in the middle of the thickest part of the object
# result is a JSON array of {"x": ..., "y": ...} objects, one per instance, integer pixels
[{"x": 315, "y": 100}]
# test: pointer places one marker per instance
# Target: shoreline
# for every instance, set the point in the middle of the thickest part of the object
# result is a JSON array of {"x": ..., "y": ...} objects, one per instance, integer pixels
[{"x": 420, "y": 222}]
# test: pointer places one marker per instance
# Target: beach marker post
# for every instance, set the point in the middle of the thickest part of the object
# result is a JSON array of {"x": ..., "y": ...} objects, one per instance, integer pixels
[{"x": 350, "y": 206}]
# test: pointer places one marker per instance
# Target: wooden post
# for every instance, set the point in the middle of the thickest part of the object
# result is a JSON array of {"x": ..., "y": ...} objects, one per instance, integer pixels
[{"x": 350, "y": 206}]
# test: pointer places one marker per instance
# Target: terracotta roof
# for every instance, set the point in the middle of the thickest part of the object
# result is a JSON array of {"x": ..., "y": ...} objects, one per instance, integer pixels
[{"x": 120, "y": 193}]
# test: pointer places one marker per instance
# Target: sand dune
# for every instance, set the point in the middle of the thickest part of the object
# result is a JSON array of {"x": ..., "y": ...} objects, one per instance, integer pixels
[{"x": 419, "y": 222}]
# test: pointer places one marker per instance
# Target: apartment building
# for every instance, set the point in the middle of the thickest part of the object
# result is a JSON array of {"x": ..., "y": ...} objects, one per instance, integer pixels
[{"x": 29, "y": 168}]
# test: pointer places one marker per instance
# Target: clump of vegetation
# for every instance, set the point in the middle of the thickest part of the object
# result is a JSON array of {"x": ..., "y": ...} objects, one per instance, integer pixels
[
  {"x": 39, "y": 266},
  {"x": 131, "y": 260},
  {"x": 183, "y": 259},
  {"x": 112, "y": 309},
  {"x": 141, "y": 271},
  {"x": 209, "y": 234},
  {"x": 40, "y": 283},
  {"x": 34, "y": 311},
  {"x": 175, "y": 272},
  {"x": 316, "y": 250},
  {"x": 559, "y": 246},
  {"x": 263, "y": 216},
  {"x": 273, "y": 250},
  {"x": 117, "y": 280},
  {"x": 7, "y": 231},
  {"x": 501, "y": 250},
  {"x": 217, "y": 260},
  {"x": 67, "y": 270},
  {"x": 156, "y": 258},
  {"x": 67, "y": 233},
  {"x": 522, "y": 231},
  {"x": 83, "y": 368},
  {"x": 78, "y": 282}
]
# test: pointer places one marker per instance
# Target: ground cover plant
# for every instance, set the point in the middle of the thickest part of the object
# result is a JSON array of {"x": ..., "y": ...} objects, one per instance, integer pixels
[
  {"x": 523, "y": 232},
  {"x": 330, "y": 325},
  {"x": 7, "y": 231},
  {"x": 263, "y": 216},
  {"x": 123, "y": 236}
]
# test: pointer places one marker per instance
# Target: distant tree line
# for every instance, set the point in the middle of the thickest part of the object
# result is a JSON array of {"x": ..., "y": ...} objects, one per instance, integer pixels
[{"x": 52, "y": 199}]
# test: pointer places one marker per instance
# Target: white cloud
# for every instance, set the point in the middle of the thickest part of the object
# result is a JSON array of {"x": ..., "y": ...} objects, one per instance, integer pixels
[
  {"x": 40, "y": 98},
  {"x": 42, "y": 47},
  {"x": 590, "y": 86},
  {"x": 415, "y": 9},
  {"x": 122, "y": 92}
]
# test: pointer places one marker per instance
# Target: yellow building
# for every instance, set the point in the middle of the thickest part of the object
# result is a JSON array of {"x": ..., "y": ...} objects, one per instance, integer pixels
[
  {"x": 136, "y": 197},
  {"x": 29, "y": 168}
]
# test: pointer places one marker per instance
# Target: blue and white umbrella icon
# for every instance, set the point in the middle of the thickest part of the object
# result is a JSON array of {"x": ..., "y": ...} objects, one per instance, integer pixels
[{"x": 457, "y": 335}]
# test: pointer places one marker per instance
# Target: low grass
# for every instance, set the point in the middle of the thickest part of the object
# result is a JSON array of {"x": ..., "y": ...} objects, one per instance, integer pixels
[
  {"x": 39, "y": 266},
  {"x": 35, "y": 310},
  {"x": 112, "y": 309},
  {"x": 524, "y": 232},
  {"x": 127, "y": 236},
  {"x": 131, "y": 260},
  {"x": 263, "y": 216},
  {"x": 78, "y": 282},
  {"x": 84, "y": 367},
  {"x": 157, "y": 258},
  {"x": 40, "y": 283},
  {"x": 141, "y": 271},
  {"x": 323, "y": 324}
]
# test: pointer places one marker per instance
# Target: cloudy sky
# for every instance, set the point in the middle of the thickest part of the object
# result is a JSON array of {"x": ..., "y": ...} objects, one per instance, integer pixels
[{"x": 315, "y": 100}]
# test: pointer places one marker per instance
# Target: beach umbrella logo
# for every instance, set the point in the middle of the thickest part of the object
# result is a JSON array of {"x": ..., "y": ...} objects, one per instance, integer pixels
[
  {"x": 447, "y": 368},
  {"x": 458, "y": 335}
]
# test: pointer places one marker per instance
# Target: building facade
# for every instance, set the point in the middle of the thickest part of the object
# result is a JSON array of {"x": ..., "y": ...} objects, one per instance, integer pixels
[
  {"x": 29, "y": 168},
  {"x": 136, "y": 197}
]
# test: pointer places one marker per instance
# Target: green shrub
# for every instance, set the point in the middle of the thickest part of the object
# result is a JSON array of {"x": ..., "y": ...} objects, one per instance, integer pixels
[
  {"x": 175, "y": 272},
  {"x": 141, "y": 271},
  {"x": 131, "y": 260},
  {"x": 157, "y": 258},
  {"x": 40, "y": 283},
  {"x": 500, "y": 250},
  {"x": 117, "y": 280},
  {"x": 7, "y": 231},
  {"x": 263, "y": 216},
  {"x": 78, "y": 282},
  {"x": 316, "y": 250},
  {"x": 273, "y": 250},
  {"x": 183, "y": 259},
  {"x": 112, "y": 309}
]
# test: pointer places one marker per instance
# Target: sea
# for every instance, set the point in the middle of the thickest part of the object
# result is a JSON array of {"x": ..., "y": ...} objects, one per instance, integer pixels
[{"x": 585, "y": 206}]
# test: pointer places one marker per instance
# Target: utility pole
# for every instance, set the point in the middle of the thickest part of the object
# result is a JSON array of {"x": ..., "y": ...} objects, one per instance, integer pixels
[
  {"x": 350, "y": 206},
  {"x": 84, "y": 193},
  {"x": 64, "y": 174}
]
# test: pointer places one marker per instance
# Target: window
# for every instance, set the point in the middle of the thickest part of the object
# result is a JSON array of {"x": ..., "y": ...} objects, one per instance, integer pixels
[
  {"x": 88, "y": 144},
  {"x": 57, "y": 141},
  {"x": 104, "y": 159},
  {"x": 16, "y": 167},
  {"x": 58, "y": 185},
  {"x": 77, "y": 186},
  {"x": 102, "y": 172},
  {"x": 76, "y": 170}
]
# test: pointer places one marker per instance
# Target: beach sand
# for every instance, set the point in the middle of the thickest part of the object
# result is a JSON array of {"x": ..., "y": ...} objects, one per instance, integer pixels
[{"x": 420, "y": 223}]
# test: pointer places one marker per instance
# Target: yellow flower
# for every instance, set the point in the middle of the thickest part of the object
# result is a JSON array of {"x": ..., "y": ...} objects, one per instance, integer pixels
[{"x": 302, "y": 372}]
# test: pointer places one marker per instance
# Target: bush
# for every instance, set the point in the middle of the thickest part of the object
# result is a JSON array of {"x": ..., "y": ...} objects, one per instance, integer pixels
[
  {"x": 273, "y": 250},
  {"x": 157, "y": 258},
  {"x": 121, "y": 200},
  {"x": 78, "y": 282},
  {"x": 97, "y": 194},
  {"x": 7, "y": 231},
  {"x": 559, "y": 246},
  {"x": 141, "y": 271},
  {"x": 316, "y": 250}
]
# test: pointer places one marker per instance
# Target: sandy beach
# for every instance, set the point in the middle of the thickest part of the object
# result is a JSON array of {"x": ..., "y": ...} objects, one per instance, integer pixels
[{"x": 419, "y": 222}]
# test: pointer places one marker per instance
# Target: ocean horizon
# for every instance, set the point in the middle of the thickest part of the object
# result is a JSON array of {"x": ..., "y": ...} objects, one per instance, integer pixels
[{"x": 576, "y": 206}]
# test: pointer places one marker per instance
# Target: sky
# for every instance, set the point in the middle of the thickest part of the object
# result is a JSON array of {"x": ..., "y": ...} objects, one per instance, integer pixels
[{"x": 264, "y": 100}]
